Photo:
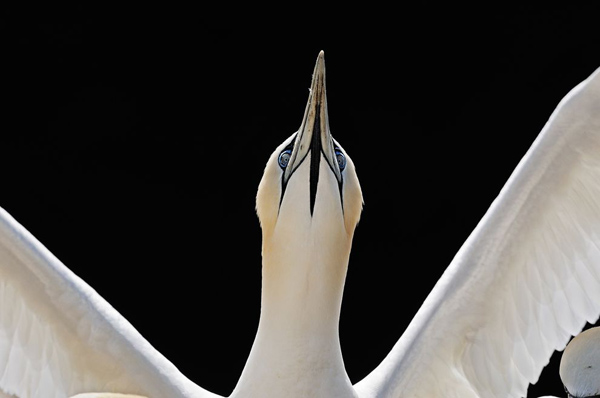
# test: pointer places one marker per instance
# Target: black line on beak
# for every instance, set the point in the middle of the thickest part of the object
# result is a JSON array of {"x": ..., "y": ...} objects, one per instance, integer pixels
[{"x": 315, "y": 158}]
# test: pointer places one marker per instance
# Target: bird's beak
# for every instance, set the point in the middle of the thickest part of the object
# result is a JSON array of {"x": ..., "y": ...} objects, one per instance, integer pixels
[{"x": 314, "y": 135}]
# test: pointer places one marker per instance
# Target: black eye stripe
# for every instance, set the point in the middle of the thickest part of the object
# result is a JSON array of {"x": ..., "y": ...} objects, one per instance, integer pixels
[
  {"x": 337, "y": 149},
  {"x": 289, "y": 147}
]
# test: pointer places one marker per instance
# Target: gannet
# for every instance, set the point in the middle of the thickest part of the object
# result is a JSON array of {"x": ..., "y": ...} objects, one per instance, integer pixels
[{"x": 525, "y": 280}]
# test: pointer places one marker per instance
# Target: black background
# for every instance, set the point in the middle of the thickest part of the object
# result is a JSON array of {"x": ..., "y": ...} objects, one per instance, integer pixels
[{"x": 133, "y": 142}]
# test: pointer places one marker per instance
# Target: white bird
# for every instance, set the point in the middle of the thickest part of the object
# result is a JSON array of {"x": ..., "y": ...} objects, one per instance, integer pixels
[{"x": 526, "y": 279}]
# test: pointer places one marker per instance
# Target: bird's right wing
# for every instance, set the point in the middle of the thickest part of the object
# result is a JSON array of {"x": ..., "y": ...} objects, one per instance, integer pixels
[
  {"x": 526, "y": 279},
  {"x": 58, "y": 337}
]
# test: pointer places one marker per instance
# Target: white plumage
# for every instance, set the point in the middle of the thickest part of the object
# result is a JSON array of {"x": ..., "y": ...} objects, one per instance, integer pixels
[{"x": 526, "y": 279}]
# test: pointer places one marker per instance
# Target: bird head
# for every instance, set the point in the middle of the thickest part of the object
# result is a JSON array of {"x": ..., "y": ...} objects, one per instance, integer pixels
[{"x": 309, "y": 193}]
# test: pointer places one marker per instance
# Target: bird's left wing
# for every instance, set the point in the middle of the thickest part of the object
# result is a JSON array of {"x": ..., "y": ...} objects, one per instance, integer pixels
[
  {"x": 526, "y": 279},
  {"x": 58, "y": 337}
]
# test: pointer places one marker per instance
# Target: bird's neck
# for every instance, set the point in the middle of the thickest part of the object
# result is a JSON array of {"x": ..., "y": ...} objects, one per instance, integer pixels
[{"x": 297, "y": 349}]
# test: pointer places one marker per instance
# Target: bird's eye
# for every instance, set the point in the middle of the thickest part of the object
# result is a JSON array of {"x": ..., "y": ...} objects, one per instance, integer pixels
[
  {"x": 341, "y": 159},
  {"x": 284, "y": 158}
]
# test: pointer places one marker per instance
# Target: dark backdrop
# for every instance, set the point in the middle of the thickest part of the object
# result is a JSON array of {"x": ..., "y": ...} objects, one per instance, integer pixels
[{"x": 133, "y": 142}]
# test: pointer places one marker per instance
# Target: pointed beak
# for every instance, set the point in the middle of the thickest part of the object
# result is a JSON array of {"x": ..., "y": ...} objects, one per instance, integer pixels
[{"x": 314, "y": 136}]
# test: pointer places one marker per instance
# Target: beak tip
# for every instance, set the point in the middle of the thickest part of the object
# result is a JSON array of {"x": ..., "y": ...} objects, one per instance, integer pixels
[
  {"x": 321, "y": 59},
  {"x": 319, "y": 72}
]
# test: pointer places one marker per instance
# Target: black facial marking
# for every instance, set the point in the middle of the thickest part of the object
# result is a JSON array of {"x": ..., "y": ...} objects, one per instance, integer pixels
[
  {"x": 316, "y": 149},
  {"x": 315, "y": 159},
  {"x": 290, "y": 146},
  {"x": 332, "y": 167}
]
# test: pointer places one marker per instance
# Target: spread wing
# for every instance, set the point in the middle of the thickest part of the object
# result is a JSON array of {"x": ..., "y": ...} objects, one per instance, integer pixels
[
  {"x": 58, "y": 337},
  {"x": 526, "y": 279}
]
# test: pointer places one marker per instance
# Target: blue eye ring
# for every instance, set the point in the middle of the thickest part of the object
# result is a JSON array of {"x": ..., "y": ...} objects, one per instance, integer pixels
[
  {"x": 284, "y": 158},
  {"x": 341, "y": 159}
]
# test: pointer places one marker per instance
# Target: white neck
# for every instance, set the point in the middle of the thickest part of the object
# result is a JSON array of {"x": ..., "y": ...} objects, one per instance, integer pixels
[{"x": 297, "y": 351}]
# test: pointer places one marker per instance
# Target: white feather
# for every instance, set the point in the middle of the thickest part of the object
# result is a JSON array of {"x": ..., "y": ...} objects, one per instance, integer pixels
[
  {"x": 526, "y": 279},
  {"x": 58, "y": 337}
]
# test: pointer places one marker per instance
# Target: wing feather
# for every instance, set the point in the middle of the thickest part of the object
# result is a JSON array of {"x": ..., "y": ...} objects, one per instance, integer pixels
[
  {"x": 58, "y": 337},
  {"x": 524, "y": 282}
]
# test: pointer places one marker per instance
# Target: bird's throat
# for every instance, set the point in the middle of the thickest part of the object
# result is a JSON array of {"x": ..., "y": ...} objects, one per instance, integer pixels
[{"x": 297, "y": 350}]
